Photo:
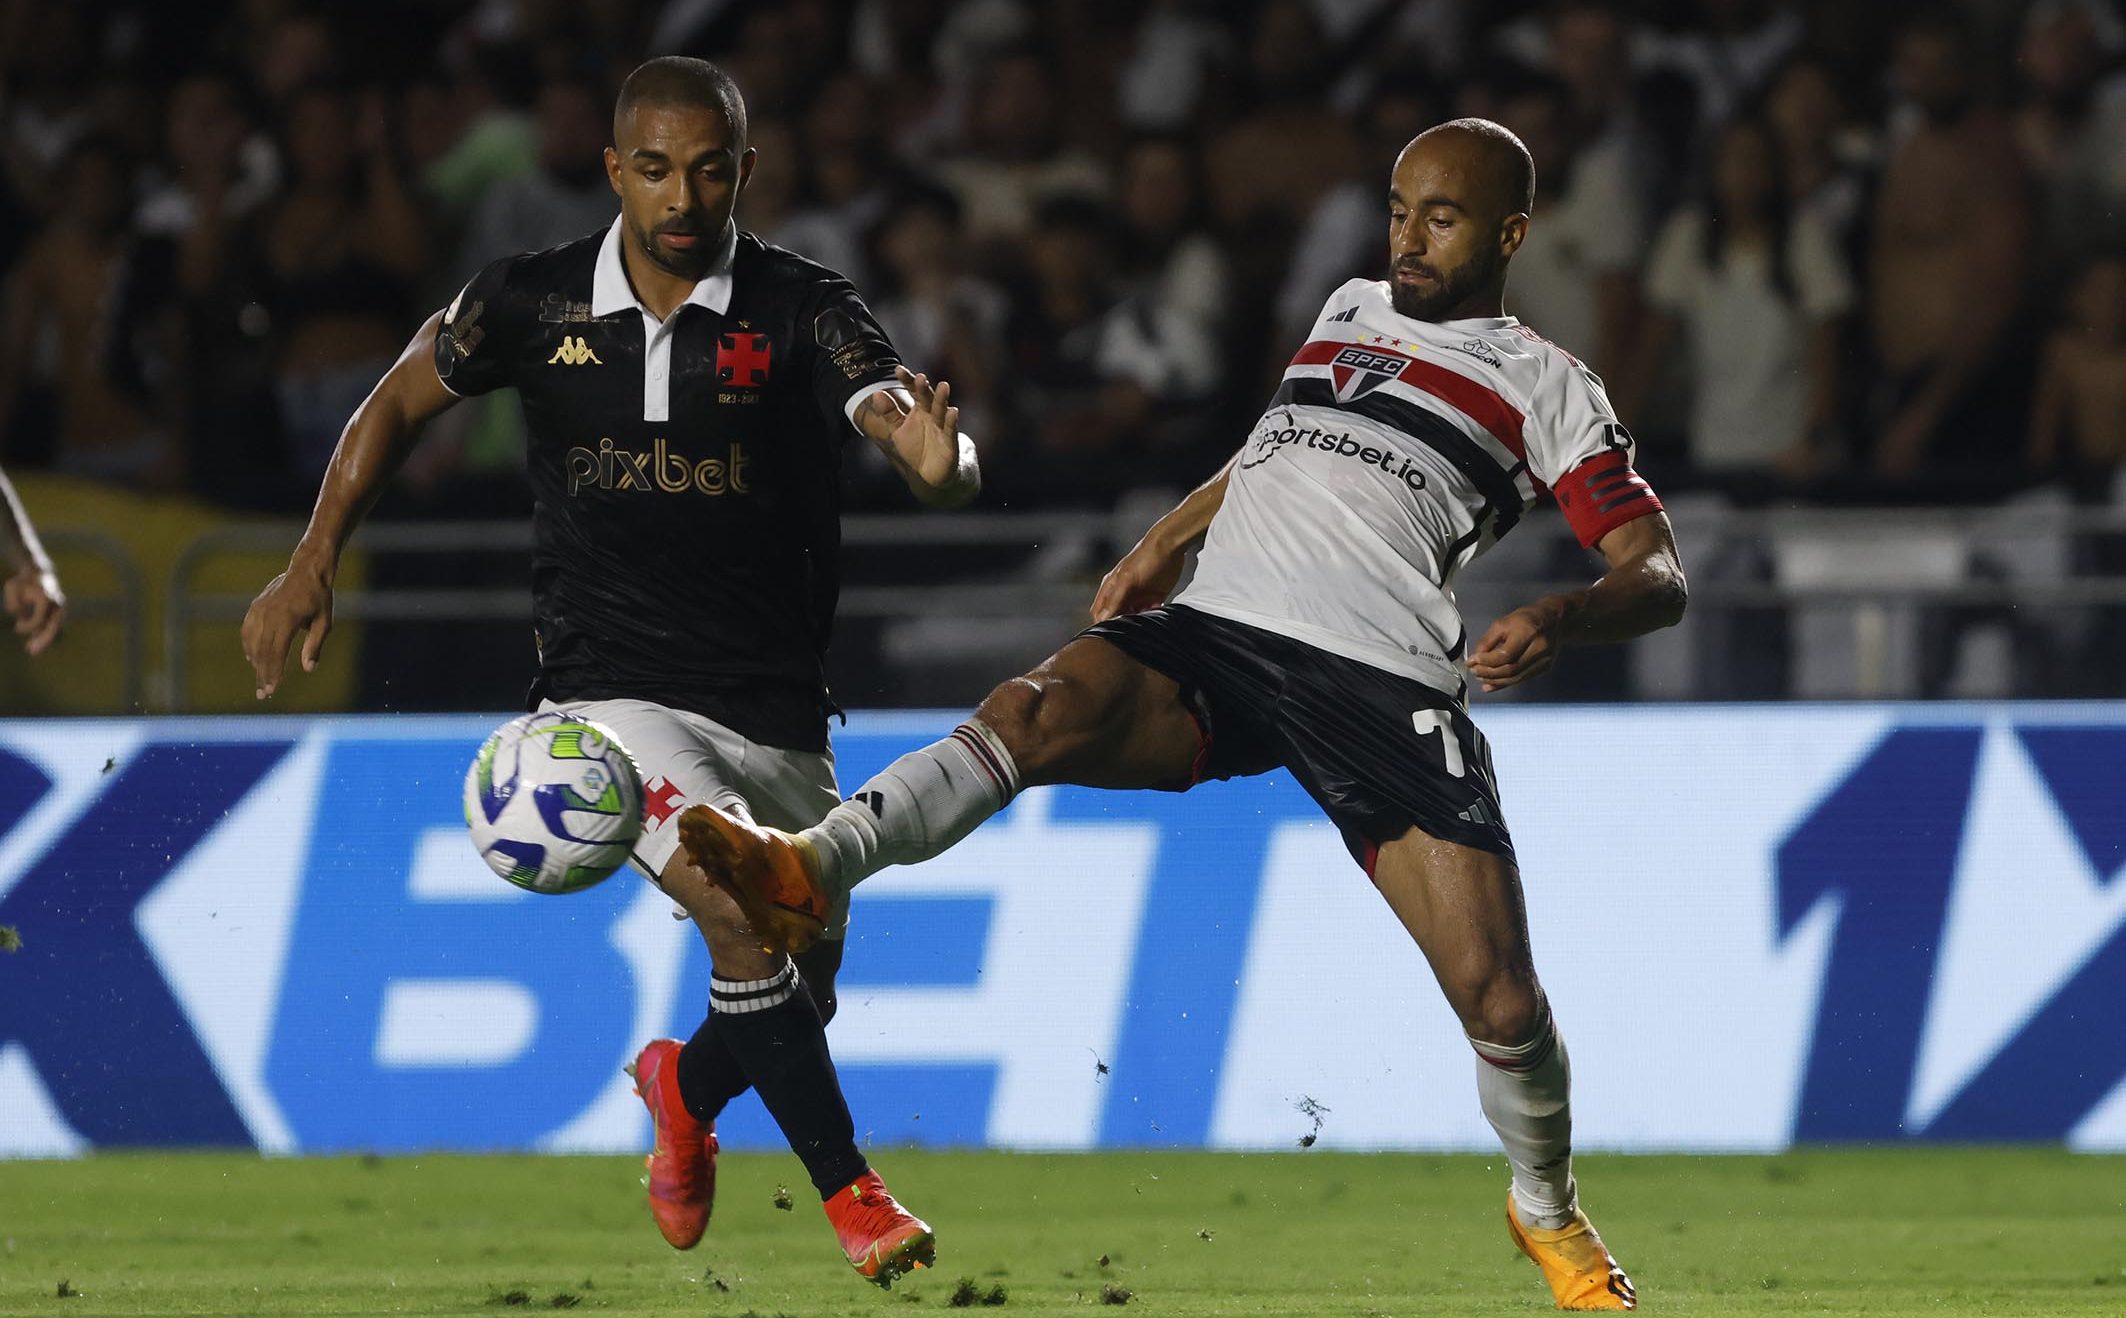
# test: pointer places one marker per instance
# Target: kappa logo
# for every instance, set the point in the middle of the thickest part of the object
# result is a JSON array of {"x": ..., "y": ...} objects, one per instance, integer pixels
[
  {"x": 1357, "y": 371},
  {"x": 574, "y": 352}
]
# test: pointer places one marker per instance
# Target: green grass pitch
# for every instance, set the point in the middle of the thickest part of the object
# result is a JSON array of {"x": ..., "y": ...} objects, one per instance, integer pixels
[{"x": 1876, "y": 1232}]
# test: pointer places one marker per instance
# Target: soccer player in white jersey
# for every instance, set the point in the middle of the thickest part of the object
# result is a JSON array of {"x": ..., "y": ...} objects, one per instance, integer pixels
[{"x": 1415, "y": 427}]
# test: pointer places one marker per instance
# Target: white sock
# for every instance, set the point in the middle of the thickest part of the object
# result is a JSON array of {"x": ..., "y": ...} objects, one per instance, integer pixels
[
  {"x": 916, "y": 807},
  {"x": 1526, "y": 1091}
]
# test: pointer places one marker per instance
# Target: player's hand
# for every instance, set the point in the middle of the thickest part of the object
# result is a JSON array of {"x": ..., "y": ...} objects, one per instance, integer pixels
[
  {"x": 1521, "y": 645},
  {"x": 1142, "y": 580},
  {"x": 298, "y": 600},
  {"x": 38, "y": 607},
  {"x": 928, "y": 435}
]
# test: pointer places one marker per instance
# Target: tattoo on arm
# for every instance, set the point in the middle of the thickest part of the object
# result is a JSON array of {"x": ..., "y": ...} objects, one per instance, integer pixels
[
  {"x": 887, "y": 403},
  {"x": 878, "y": 415}
]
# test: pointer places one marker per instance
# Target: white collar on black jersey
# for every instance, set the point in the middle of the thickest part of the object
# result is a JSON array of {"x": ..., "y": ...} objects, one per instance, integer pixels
[{"x": 611, "y": 292}]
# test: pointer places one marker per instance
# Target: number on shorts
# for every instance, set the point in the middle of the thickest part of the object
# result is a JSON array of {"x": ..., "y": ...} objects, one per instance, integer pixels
[{"x": 1429, "y": 721}]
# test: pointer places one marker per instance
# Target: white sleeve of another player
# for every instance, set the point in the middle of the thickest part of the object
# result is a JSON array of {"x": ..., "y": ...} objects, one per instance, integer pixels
[
  {"x": 1570, "y": 420},
  {"x": 1577, "y": 447}
]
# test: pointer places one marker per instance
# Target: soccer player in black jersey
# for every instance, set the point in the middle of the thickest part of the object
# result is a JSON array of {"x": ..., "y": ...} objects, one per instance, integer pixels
[{"x": 687, "y": 389}]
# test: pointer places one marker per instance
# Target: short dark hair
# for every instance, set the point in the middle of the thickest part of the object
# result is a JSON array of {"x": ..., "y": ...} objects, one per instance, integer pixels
[
  {"x": 681, "y": 80},
  {"x": 1505, "y": 152}
]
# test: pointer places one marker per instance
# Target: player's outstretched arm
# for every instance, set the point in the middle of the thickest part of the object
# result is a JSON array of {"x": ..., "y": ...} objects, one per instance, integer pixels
[
  {"x": 377, "y": 439},
  {"x": 918, "y": 429},
  {"x": 1147, "y": 573},
  {"x": 1643, "y": 591},
  {"x": 32, "y": 588}
]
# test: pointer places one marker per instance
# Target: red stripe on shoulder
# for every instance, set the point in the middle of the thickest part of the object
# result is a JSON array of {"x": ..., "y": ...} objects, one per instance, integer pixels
[
  {"x": 1318, "y": 352},
  {"x": 1529, "y": 334}
]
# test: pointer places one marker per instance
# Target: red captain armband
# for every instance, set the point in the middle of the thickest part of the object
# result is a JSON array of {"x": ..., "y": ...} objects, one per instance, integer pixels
[{"x": 1603, "y": 493}]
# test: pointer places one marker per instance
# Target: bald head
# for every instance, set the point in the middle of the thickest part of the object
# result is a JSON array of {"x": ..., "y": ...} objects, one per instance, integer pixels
[
  {"x": 1458, "y": 205},
  {"x": 681, "y": 82},
  {"x": 1488, "y": 154}
]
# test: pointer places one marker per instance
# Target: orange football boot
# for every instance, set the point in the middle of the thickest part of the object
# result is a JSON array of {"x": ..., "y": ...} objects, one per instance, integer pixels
[
  {"x": 682, "y": 1162},
  {"x": 773, "y": 875},
  {"x": 883, "y": 1240},
  {"x": 1575, "y": 1262}
]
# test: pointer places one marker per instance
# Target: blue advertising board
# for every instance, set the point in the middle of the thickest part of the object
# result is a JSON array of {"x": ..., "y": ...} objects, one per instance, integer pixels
[{"x": 1757, "y": 925}]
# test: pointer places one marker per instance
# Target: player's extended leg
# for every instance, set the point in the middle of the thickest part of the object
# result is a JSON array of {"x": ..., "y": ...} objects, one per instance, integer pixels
[
  {"x": 1464, "y": 908},
  {"x": 765, "y": 1027},
  {"x": 769, "y": 1021},
  {"x": 790, "y": 790},
  {"x": 1089, "y": 715},
  {"x": 709, "y": 1073},
  {"x": 686, "y": 1088}
]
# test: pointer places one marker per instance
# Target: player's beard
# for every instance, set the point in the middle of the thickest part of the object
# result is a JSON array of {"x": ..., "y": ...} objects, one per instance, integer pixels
[
  {"x": 1449, "y": 290},
  {"x": 686, "y": 265}
]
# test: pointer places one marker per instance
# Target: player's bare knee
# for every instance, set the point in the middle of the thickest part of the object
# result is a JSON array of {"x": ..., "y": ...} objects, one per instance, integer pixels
[
  {"x": 1508, "y": 1010},
  {"x": 734, "y": 949},
  {"x": 1034, "y": 716},
  {"x": 1009, "y": 711}
]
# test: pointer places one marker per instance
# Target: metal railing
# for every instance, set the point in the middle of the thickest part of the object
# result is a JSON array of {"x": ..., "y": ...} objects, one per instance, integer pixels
[
  {"x": 1035, "y": 572},
  {"x": 127, "y": 605},
  {"x": 183, "y": 607},
  {"x": 186, "y": 607}
]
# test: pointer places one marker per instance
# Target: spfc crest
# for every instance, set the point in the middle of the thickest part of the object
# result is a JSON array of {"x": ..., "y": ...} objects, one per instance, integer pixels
[{"x": 1358, "y": 371}]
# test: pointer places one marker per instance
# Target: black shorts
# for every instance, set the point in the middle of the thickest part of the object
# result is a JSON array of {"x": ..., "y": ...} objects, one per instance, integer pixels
[{"x": 1379, "y": 752}]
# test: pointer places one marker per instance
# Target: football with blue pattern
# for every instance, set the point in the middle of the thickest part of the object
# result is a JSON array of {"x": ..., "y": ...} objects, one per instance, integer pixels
[{"x": 554, "y": 802}]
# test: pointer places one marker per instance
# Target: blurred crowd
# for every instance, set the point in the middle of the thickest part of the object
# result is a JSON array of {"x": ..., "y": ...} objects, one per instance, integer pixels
[{"x": 1818, "y": 249}]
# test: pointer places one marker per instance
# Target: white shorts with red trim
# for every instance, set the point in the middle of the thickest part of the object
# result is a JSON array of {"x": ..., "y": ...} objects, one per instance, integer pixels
[{"x": 686, "y": 759}]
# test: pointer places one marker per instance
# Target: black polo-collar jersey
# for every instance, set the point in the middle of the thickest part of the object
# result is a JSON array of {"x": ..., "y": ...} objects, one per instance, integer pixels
[{"x": 685, "y": 473}]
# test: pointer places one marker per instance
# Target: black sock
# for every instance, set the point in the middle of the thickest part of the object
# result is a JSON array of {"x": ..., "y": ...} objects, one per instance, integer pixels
[
  {"x": 710, "y": 1076},
  {"x": 773, "y": 1030}
]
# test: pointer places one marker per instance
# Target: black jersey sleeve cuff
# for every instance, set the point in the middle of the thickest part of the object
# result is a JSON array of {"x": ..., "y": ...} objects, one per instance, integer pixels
[{"x": 852, "y": 356}]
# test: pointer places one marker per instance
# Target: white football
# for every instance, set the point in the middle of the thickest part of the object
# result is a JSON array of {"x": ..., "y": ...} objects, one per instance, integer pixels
[{"x": 554, "y": 802}]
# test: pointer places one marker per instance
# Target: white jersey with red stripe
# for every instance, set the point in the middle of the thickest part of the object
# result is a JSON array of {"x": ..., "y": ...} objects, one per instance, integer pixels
[{"x": 1395, "y": 451}]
